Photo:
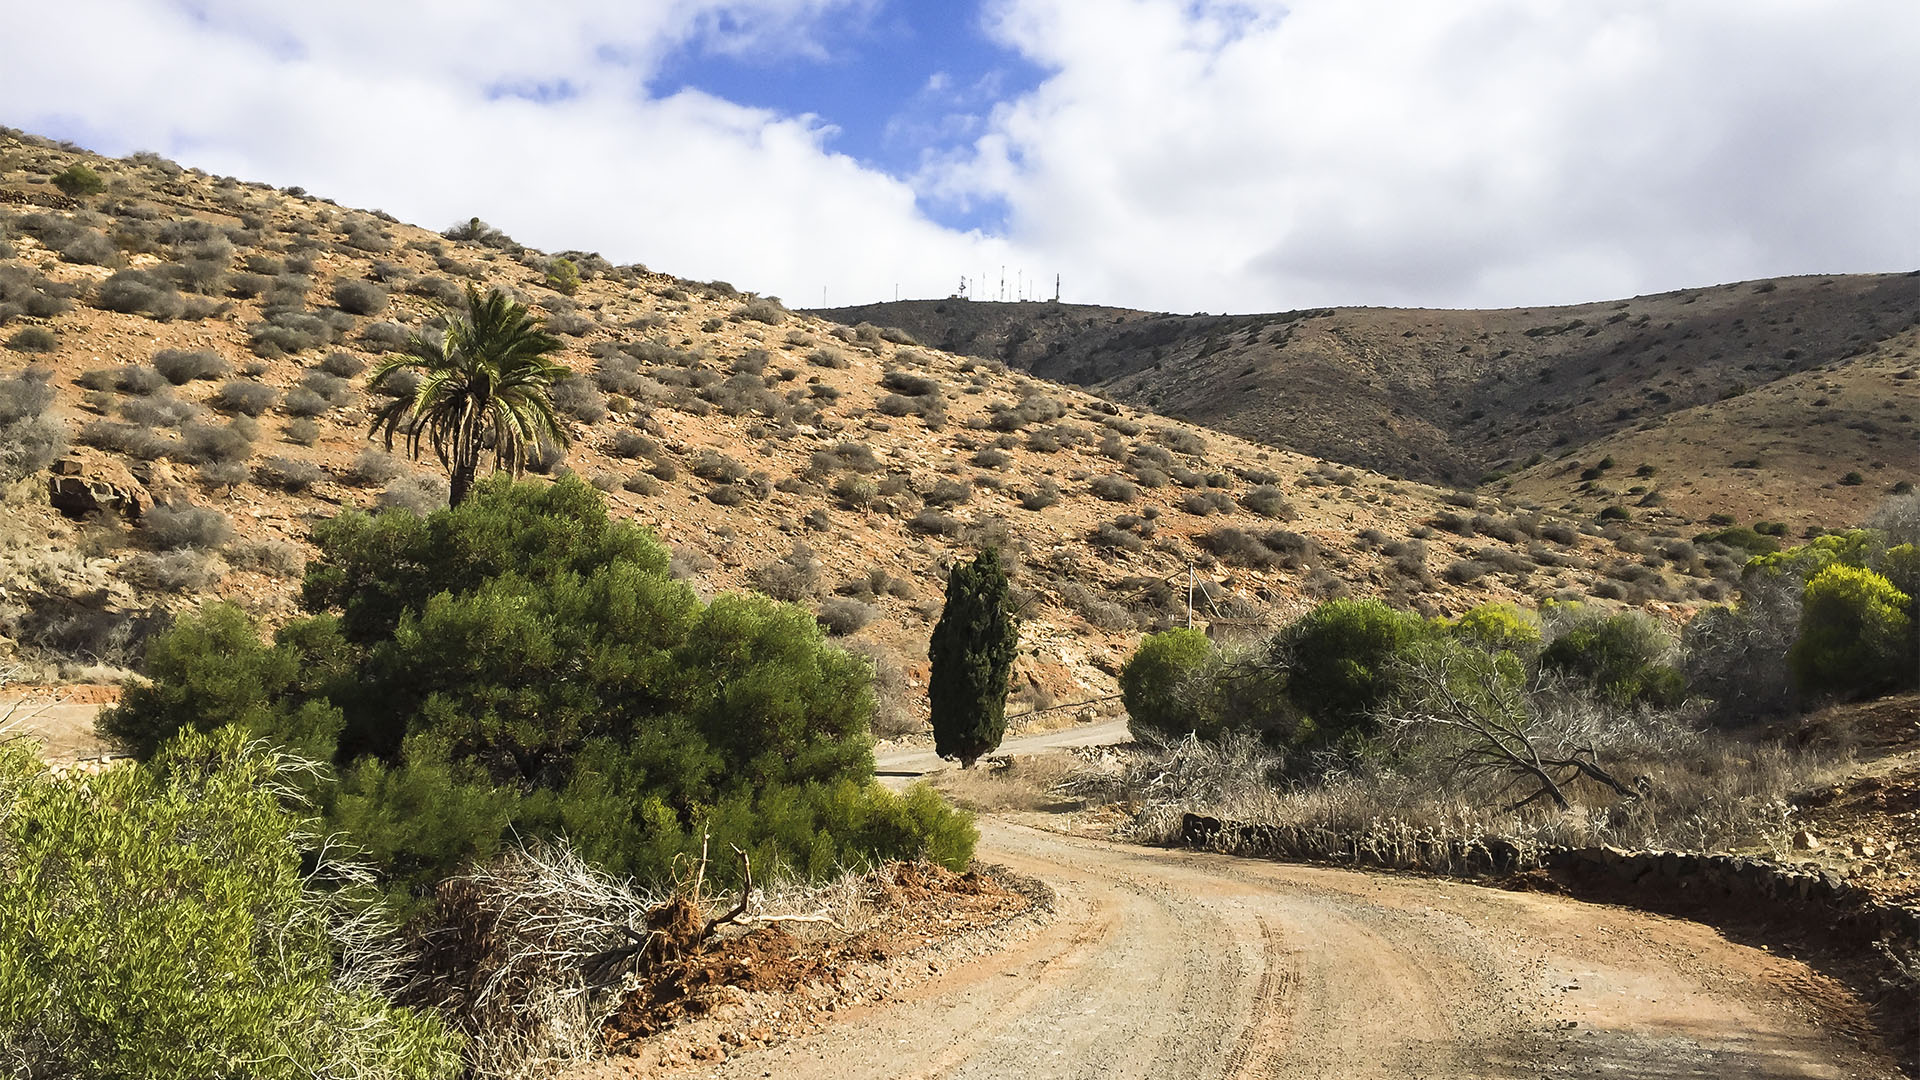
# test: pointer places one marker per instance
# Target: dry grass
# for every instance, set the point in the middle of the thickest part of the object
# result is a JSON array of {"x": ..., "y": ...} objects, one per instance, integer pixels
[
  {"x": 516, "y": 955},
  {"x": 1699, "y": 790}
]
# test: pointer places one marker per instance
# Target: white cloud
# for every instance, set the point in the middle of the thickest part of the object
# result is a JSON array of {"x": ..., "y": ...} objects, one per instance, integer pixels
[
  {"x": 1256, "y": 156},
  {"x": 398, "y": 107},
  {"x": 1182, "y": 154}
]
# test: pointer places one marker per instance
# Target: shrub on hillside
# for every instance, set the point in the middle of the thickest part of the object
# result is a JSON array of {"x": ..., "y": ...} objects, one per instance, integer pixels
[
  {"x": 947, "y": 492},
  {"x": 577, "y": 397},
  {"x": 764, "y": 311},
  {"x": 1625, "y": 656},
  {"x": 28, "y": 292},
  {"x": 1152, "y": 684},
  {"x": 1044, "y": 494},
  {"x": 419, "y": 494},
  {"x": 1114, "y": 488},
  {"x": 30, "y": 436},
  {"x": 335, "y": 389},
  {"x": 359, "y": 297},
  {"x": 202, "y": 527},
  {"x": 287, "y": 474},
  {"x": 374, "y": 466},
  {"x": 842, "y": 615},
  {"x": 343, "y": 364},
  {"x": 288, "y": 332},
  {"x": 181, "y": 366},
  {"x": 1340, "y": 661},
  {"x": 1268, "y": 501},
  {"x": 1856, "y": 635},
  {"x": 202, "y": 444},
  {"x": 303, "y": 401},
  {"x": 384, "y": 337},
  {"x": 301, "y": 431},
  {"x": 792, "y": 578},
  {"x": 91, "y": 247},
  {"x": 160, "y": 410},
  {"x": 33, "y": 339},
  {"x": 525, "y": 665},
  {"x": 78, "y": 179},
  {"x": 189, "y": 879},
  {"x": 137, "y": 292}
]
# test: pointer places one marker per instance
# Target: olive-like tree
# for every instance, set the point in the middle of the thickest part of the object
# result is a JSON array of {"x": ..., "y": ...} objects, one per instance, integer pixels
[
  {"x": 485, "y": 384},
  {"x": 972, "y": 652}
]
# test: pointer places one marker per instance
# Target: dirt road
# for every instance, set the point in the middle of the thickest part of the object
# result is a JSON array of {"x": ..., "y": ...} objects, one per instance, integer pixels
[
  {"x": 1182, "y": 964},
  {"x": 901, "y": 763}
]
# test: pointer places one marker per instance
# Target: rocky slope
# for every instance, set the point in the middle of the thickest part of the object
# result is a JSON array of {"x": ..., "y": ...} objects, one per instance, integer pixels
[
  {"x": 1452, "y": 396},
  {"x": 206, "y": 340}
]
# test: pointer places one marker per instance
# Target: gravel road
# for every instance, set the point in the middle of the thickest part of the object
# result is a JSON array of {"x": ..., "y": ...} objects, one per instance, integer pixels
[
  {"x": 1185, "y": 964},
  {"x": 899, "y": 764}
]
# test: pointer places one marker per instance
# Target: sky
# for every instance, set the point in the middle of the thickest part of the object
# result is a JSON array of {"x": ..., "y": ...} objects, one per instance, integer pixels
[{"x": 1174, "y": 155}]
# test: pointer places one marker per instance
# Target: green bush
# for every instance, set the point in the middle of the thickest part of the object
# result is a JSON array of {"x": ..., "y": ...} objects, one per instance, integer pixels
[
  {"x": 563, "y": 276},
  {"x": 971, "y": 657},
  {"x": 77, "y": 179},
  {"x": 1339, "y": 660},
  {"x": 1742, "y": 537},
  {"x": 1499, "y": 627},
  {"x": 157, "y": 923},
  {"x": 1152, "y": 680},
  {"x": 1623, "y": 656},
  {"x": 1856, "y": 636},
  {"x": 522, "y": 663}
]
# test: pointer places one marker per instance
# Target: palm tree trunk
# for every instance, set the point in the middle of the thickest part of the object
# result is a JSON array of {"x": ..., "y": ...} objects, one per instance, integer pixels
[{"x": 460, "y": 481}]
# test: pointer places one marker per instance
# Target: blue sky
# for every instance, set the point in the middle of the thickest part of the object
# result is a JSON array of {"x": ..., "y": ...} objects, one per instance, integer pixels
[
  {"x": 897, "y": 85},
  {"x": 1175, "y": 155}
]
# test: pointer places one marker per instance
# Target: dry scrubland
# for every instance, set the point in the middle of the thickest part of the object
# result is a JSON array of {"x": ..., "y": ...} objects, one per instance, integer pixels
[
  {"x": 1753, "y": 398},
  {"x": 185, "y": 356},
  {"x": 206, "y": 340}
]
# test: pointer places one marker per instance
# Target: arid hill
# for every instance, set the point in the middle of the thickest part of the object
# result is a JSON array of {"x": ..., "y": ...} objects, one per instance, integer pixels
[
  {"x": 1463, "y": 397},
  {"x": 206, "y": 341}
]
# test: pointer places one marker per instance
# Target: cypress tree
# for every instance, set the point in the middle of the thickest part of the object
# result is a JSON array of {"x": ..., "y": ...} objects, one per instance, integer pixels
[{"x": 972, "y": 656}]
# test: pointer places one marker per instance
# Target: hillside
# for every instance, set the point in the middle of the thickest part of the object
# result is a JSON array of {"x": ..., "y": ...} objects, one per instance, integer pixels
[
  {"x": 206, "y": 341},
  {"x": 1453, "y": 396}
]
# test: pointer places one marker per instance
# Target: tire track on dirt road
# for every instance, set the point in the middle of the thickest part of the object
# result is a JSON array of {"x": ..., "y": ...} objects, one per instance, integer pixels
[{"x": 1190, "y": 965}]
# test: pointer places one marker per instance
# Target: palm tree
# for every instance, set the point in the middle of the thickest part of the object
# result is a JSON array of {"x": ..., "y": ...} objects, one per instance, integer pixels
[{"x": 485, "y": 383}]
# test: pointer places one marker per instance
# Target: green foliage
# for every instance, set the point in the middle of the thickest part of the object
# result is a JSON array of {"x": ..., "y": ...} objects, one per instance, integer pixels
[
  {"x": 155, "y": 923},
  {"x": 1742, "y": 537},
  {"x": 563, "y": 276},
  {"x": 972, "y": 652},
  {"x": 1622, "y": 655},
  {"x": 1339, "y": 660},
  {"x": 76, "y": 179},
  {"x": 522, "y": 663},
  {"x": 1854, "y": 547},
  {"x": 211, "y": 671},
  {"x": 486, "y": 382},
  {"x": 1901, "y": 567},
  {"x": 1151, "y": 683},
  {"x": 1856, "y": 634},
  {"x": 1499, "y": 627}
]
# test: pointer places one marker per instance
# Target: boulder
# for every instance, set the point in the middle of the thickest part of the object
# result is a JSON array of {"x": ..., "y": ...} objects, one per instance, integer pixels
[{"x": 79, "y": 496}]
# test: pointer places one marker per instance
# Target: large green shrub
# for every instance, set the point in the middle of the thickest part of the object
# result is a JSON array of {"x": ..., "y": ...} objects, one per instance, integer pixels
[
  {"x": 1152, "y": 680},
  {"x": 77, "y": 179},
  {"x": 1624, "y": 656},
  {"x": 1497, "y": 628},
  {"x": 155, "y": 922},
  {"x": 1339, "y": 661},
  {"x": 1856, "y": 636},
  {"x": 971, "y": 654},
  {"x": 520, "y": 663}
]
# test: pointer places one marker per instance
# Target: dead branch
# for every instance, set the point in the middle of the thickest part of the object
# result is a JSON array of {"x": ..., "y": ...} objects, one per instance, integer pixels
[
  {"x": 746, "y": 890},
  {"x": 1505, "y": 735}
]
